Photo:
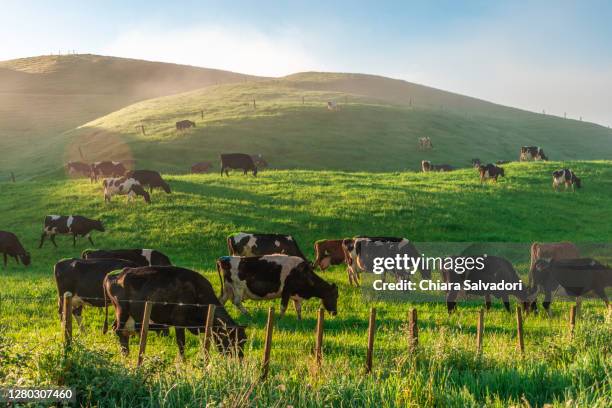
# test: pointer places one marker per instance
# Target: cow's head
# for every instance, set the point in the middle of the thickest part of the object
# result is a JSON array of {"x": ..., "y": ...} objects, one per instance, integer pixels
[
  {"x": 501, "y": 171},
  {"x": 542, "y": 264},
  {"x": 166, "y": 187},
  {"x": 324, "y": 263},
  {"x": 577, "y": 182},
  {"x": 147, "y": 197},
  {"x": 330, "y": 299},
  {"x": 97, "y": 225},
  {"x": 25, "y": 258}
]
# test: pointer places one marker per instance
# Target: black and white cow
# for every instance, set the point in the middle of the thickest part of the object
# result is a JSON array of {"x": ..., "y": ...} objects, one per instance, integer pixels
[
  {"x": 248, "y": 244},
  {"x": 567, "y": 177},
  {"x": 107, "y": 169},
  {"x": 149, "y": 178},
  {"x": 529, "y": 153},
  {"x": 273, "y": 277},
  {"x": 578, "y": 277},
  {"x": 75, "y": 225},
  {"x": 427, "y": 166},
  {"x": 141, "y": 257},
  {"x": 240, "y": 161},
  {"x": 180, "y": 298},
  {"x": 124, "y": 186},
  {"x": 496, "y": 270},
  {"x": 490, "y": 172},
  {"x": 10, "y": 246},
  {"x": 83, "y": 278},
  {"x": 360, "y": 251}
]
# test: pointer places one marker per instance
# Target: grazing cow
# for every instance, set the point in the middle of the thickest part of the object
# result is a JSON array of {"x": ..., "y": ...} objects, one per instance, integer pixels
[
  {"x": 259, "y": 161},
  {"x": 567, "y": 177},
  {"x": 273, "y": 277},
  {"x": 201, "y": 167},
  {"x": 360, "y": 251},
  {"x": 124, "y": 186},
  {"x": 83, "y": 278},
  {"x": 237, "y": 161},
  {"x": 78, "y": 168},
  {"x": 578, "y": 276},
  {"x": 149, "y": 178},
  {"x": 328, "y": 252},
  {"x": 180, "y": 298},
  {"x": 496, "y": 271},
  {"x": 107, "y": 169},
  {"x": 425, "y": 143},
  {"x": 140, "y": 257},
  {"x": 247, "y": 244},
  {"x": 10, "y": 246},
  {"x": 427, "y": 166},
  {"x": 332, "y": 105},
  {"x": 544, "y": 282},
  {"x": 502, "y": 162},
  {"x": 184, "y": 124},
  {"x": 529, "y": 153},
  {"x": 490, "y": 172},
  {"x": 69, "y": 224}
]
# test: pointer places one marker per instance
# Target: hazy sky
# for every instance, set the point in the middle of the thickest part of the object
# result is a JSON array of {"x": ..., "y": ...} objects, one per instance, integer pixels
[{"x": 552, "y": 55}]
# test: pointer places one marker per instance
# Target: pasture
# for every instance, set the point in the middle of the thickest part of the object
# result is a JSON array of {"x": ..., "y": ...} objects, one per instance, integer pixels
[{"x": 190, "y": 225}]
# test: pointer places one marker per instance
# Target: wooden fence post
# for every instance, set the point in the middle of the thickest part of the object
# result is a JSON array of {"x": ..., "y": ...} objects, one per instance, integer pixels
[
  {"x": 302, "y": 100},
  {"x": 144, "y": 331},
  {"x": 479, "y": 331},
  {"x": 371, "y": 333},
  {"x": 413, "y": 330},
  {"x": 519, "y": 329},
  {"x": 268, "y": 344},
  {"x": 142, "y": 128},
  {"x": 210, "y": 317},
  {"x": 572, "y": 320},
  {"x": 81, "y": 154},
  {"x": 254, "y": 104},
  {"x": 202, "y": 114},
  {"x": 319, "y": 337},
  {"x": 13, "y": 176},
  {"x": 67, "y": 321}
]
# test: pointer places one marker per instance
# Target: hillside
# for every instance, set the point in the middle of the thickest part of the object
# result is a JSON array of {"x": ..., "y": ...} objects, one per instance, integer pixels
[
  {"x": 42, "y": 97},
  {"x": 376, "y": 127}
]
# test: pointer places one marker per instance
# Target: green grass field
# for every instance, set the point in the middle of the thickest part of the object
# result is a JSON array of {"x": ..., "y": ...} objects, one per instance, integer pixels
[{"x": 190, "y": 226}]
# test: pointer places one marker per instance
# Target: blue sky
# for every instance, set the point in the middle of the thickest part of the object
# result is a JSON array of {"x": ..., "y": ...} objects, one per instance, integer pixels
[{"x": 552, "y": 55}]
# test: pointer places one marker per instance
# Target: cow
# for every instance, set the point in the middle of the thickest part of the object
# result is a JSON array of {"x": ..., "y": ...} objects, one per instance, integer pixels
[
  {"x": 544, "y": 282},
  {"x": 149, "y": 178},
  {"x": 578, "y": 277},
  {"x": 10, "y": 246},
  {"x": 78, "y": 168},
  {"x": 76, "y": 225},
  {"x": 184, "y": 124},
  {"x": 259, "y": 161},
  {"x": 427, "y": 166},
  {"x": 490, "y": 172},
  {"x": 254, "y": 244},
  {"x": 273, "y": 277},
  {"x": 83, "y": 278},
  {"x": 124, "y": 186},
  {"x": 140, "y": 257},
  {"x": 107, "y": 169},
  {"x": 529, "y": 153},
  {"x": 567, "y": 177},
  {"x": 180, "y": 298},
  {"x": 502, "y": 162},
  {"x": 328, "y": 252},
  {"x": 332, "y": 105},
  {"x": 359, "y": 252},
  {"x": 201, "y": 167},
  {"x": 237, "y": 161},
  {"x": 496, "y": 270},
  {"x": 425, "y": 143}
]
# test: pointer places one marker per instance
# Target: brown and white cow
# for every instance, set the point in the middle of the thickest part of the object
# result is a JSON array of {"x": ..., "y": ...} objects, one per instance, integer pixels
[
  {"x": 273, "y": 277},
  {"x": 255, "y": 244},
  {"x": 426, "y": 166},
  {"x": 566, "y": 177},
  {"x": 541, "y": 281},
  {"x": 490, "y": 172},
  {"x": 360, "y": 251},
  {"x": 124, "y": 186},
  {"x": 75, "y": 168},
  {"x": 10, "y": 246},
  {"x": 201, "y": 167},
  {"x": 529, "y": 153},
  {"x": 75, "y": 225},
  {"x": 328, "y": 252},
  {"x": 107, "y": 169}
]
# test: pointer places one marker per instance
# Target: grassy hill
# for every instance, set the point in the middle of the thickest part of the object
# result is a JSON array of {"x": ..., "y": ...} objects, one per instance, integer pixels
[
  {"x": 42, "y": 97},
  {"x": 191, "y": 224},
  {"x": 376, "y": 127}
]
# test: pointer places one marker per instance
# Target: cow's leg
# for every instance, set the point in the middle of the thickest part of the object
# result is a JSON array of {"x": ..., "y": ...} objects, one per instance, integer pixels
[
  {"x": 506, "y": 301},
  {"x": 578, "y": 304},
  {"x": 601, "y": 293},
  {"x": 547, "y": 301},
  {"x": 297, "y": 303},
  {"x": 284, "y": 303},
  {"x": 42, "y": 239},
  {"x": 349, "y": 272},
  {"x": 74, "y": 239},
  {"x": 52, "y": 238},
  {"x": 5, "y": 260},
  {"x": 90, "y": 240},
  {"x": 451, "y": 303},
  {"x": 78, "y": 316},
  {"x": 124, "y": 341},
  {"x": 487, "y": 301},
  {"x": 180, "y": 341},
  {"x": 237, "y": 301}
]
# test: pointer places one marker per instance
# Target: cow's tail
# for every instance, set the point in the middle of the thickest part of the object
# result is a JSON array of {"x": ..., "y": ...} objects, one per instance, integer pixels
[
  {"x": 230, "y": 245},
  {"x": 534, "y": 258},
  {"x": 105, "y": 328},
  {"x": 220, "y": 277}
]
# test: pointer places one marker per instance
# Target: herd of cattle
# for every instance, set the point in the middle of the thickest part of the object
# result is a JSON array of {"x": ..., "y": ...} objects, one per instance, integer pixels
[
  {"x": 271, "y": 266},
  {"x": 490, "y": 171}
]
